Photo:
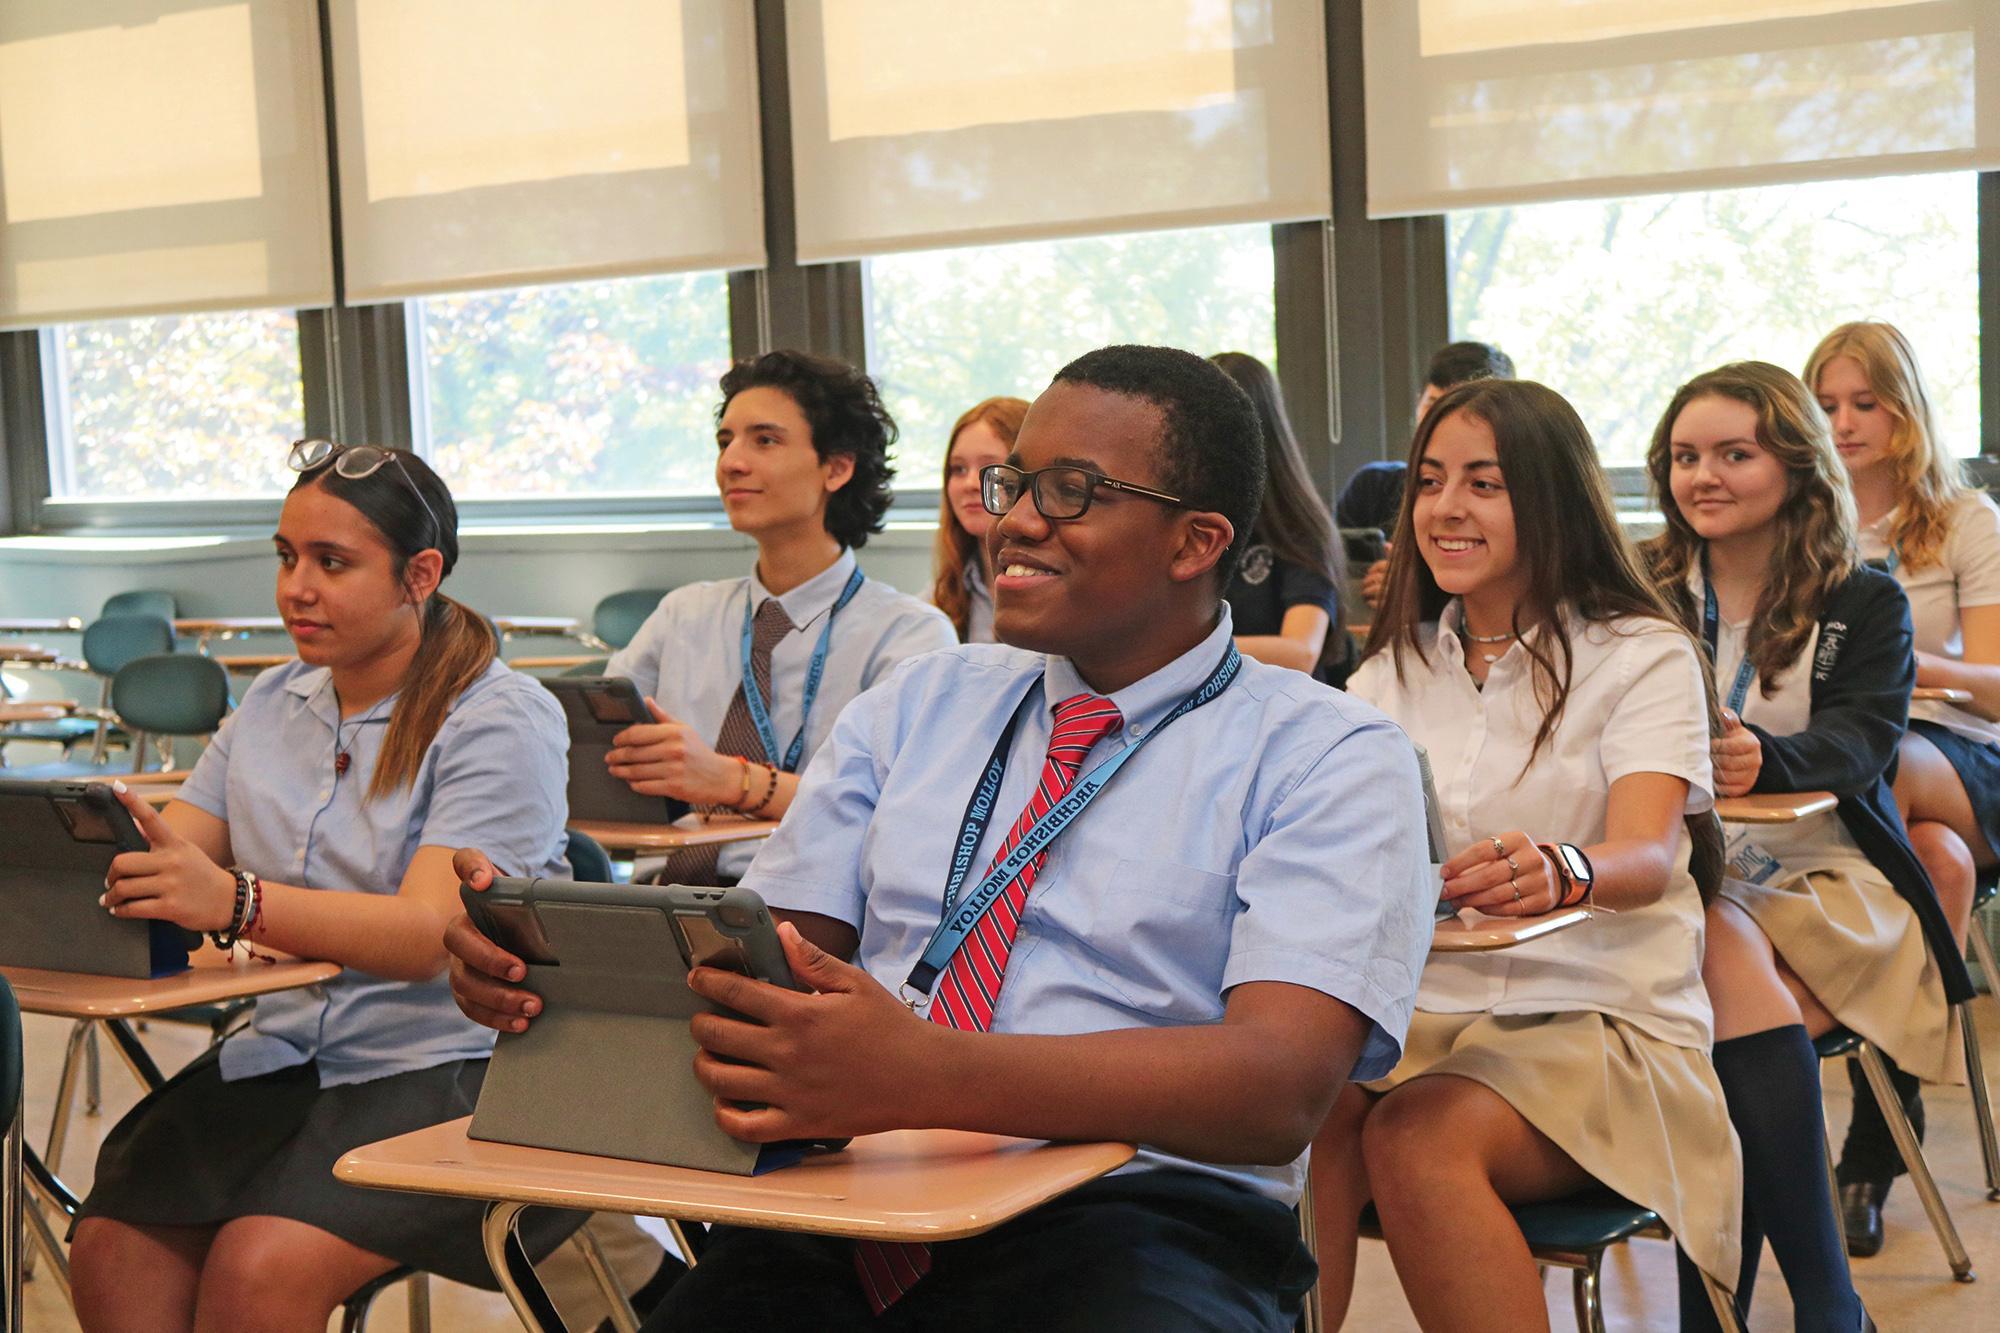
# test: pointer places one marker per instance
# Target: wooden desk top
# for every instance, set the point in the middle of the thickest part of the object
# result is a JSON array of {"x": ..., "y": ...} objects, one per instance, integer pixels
[
  {"x": 553, "y": 663},
  {"x": 551, "y": 625},
  {"x": 1774, "y": 807},
  {"x": 1475, "y": 932},
  {"x": 25, "y": 652},
  {"x": 211, "y": 980},
  {"x": 36, "y": 710},
  {"x": 671, "y": 837},
  {"x": 253, "y": 661},
  {"x": 1940, "y": 694},
  {"x": 928, "y": 1185},
  {"x": 39, "y": 625},
  {"x": 229, "y": 625}
]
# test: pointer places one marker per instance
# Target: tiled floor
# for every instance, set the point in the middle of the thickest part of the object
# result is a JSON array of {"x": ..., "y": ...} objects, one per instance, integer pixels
[{"x": 1907, "y": 1286}]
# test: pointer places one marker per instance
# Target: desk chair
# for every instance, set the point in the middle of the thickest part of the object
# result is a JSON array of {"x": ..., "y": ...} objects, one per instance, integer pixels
[
  {"x": 13, "y": 1237},
  {"x": 1574, "y": 1233},
  {"x": 618, "y": 617},
  {"x": 141, "y": 602},
  {"x": 109, "y": 644},
  {"x": 589, "y": 863}
]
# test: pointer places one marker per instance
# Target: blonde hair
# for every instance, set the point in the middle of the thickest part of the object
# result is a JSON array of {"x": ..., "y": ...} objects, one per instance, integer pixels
[
  {"x": 956, "y": 546},
  {"x": 1928, "y": 480},
  {"x": 1814, "y": 553}
]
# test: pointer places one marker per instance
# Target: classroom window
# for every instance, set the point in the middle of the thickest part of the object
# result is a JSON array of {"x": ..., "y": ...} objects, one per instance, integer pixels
[
  {"x": 948, "y": 328},
  {"x": 173, "y": 406},
  {"x": 1615, "y": 303},
  {"x": 593, "y": 388}
]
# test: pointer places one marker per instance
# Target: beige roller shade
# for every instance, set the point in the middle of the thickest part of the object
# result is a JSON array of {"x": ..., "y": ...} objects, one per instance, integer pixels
[
  {"x": 501, "y": 143},
  {"x": 160, "y": 155},
  {"x": 918, "y": 124},
  {"x": 1480, "y": 102}
]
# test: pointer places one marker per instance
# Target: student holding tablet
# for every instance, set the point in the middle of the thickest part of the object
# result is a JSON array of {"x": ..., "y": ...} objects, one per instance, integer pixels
[
  {"x": 745, "y": 676},
  {"x": 1565, "y": 715},
  {"x": 1227, "y": 924},
  {"x": 1827, "y": 921},
  {"x": 1941, "y": 540},
  {"x": 336, "y": 791},
  {"x": 963, "y": 586}
]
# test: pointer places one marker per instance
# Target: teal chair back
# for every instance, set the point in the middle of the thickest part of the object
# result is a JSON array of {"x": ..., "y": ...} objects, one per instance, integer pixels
[
  {"x": 114, "y": 640},
  {"x": 619, "y": 616},
  {"x": 589, "y": 863},
  {"x": 594, "y": 667},
  {"x": 171, "y": 695},
  {"x": 141, "y": 602}
]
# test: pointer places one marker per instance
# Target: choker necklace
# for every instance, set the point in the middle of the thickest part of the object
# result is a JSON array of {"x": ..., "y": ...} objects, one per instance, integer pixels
[{"x": 1490, "y": 658}]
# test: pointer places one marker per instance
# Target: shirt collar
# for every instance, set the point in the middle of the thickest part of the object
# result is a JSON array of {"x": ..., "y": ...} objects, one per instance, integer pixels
[
  {"x": 315, "y": 686},
  {"x": 1146, "y": 701},
  {"x": 975, "y": 578},
  {"x": 811, "y": 599}
]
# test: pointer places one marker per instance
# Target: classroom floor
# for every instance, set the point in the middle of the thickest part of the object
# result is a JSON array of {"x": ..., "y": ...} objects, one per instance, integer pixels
[{"x": 1907, "y": 1286}]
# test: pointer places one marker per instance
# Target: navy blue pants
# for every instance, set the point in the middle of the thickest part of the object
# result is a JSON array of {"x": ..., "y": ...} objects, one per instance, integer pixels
[{"x": 1153, "y": 1251}]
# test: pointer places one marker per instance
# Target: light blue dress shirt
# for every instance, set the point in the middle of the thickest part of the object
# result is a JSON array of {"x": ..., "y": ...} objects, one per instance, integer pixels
[
  {"x": 689, "y": 655},
  {"x": 493, "y": 778},
  {"x": 1274, "y": 834}
]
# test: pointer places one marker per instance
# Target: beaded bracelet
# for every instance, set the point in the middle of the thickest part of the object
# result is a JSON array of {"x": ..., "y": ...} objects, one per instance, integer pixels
[
  {"x": 226, "y": 939},
  {"x": 770, "y": 790}
]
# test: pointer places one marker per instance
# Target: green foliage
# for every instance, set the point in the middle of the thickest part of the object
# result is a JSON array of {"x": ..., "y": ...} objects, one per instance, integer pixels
[
  {"x": 949, "y": 328},
  {"x": 1616, "y": 303}
]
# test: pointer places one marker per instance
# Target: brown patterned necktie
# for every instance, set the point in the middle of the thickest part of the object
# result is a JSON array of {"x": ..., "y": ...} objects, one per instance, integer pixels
[{"x": 697, "y": 865}]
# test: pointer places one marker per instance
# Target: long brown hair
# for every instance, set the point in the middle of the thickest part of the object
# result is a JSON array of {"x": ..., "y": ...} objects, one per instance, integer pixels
[
  {"x": 457, "y": 646},
  {"x": 1814, "y": 553},
  {"x": 1566, "y": 534},
  {"x": 955, "y": 546},
  {"x": 1928, "y": 479}
]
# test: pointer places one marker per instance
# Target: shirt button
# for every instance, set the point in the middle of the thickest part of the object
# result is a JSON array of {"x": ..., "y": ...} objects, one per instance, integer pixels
[{"x": 325, "y": 793}]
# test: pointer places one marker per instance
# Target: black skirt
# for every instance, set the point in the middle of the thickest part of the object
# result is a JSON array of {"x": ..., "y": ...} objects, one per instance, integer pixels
[
  {"x": 201, "y": 1151},
  {"x": 1978, "y": 766}
]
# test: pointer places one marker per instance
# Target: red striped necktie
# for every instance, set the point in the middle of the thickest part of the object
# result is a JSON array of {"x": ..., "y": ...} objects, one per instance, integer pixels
[{"x": 969, "y": 990}]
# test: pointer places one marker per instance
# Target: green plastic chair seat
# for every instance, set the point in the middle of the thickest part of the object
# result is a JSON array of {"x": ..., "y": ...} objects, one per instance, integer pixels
[
  {"x": 1595, "y": 1220},
  {"x": 1836, "y": 1043}
]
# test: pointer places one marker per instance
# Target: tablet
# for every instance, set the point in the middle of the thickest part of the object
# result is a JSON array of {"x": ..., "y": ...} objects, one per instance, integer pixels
[
  {"x": 60, "y": 838},
  {"x": 597, "y": 708},
  {"x": 1434, "y": 831},
  {"x": 610, "y": 962}
]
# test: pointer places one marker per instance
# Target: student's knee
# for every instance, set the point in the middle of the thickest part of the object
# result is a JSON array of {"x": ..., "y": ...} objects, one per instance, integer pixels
[
  {"x": 1404, "y": 1136},
  {"x": 1948, "y": 861},
  {"x": 252, "y": 1268},
  {"x": 104, "y": 1255}
]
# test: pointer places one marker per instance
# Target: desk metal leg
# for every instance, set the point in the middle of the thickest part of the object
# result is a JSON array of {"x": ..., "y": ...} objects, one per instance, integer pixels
[
  {"x": 13, "y": 1221},
  {"x": 513, "y": 1271},
  {"x": 46, "y": 1188},
  {"x": 137, "y": 1058},
  {"x": 624, "y": 1319}
]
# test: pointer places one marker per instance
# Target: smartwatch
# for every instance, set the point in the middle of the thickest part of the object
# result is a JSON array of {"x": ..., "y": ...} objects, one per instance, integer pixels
[{"x": 1574, "y": 867}]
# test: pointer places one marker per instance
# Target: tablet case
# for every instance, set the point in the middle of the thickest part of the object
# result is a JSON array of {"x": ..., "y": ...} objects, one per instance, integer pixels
[
  {"x": 57, "y": 841},
  {"x": 607, "y": 1068},
  {"x": 1434, "y": 833},
  {"x": 593, "y": 793}
]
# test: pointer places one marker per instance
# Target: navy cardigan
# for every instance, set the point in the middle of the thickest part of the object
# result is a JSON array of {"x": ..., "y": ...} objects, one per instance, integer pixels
[{"x": 1862, "y": 673}]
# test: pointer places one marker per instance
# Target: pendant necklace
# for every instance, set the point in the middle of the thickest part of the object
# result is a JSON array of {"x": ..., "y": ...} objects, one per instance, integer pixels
[{"x": 1490, "y": 658}]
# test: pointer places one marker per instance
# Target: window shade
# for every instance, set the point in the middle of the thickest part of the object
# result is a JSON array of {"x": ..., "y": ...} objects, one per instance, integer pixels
[
  {"x": 160, "y": 155},
  {"x": 919, "y": 125},
  {"x": 1480, "y": 102},
  {"x": 501, "y": 143}
]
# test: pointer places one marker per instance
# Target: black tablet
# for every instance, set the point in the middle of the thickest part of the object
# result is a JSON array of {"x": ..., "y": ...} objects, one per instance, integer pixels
[
  {"x": 597, "y": 708},
  {"x": 59, "y": 840}
]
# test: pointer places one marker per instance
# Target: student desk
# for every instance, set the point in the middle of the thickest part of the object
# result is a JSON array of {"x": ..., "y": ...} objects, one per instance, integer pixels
[
  {"x": 555, "y": 627},
  {"x": 111, "y": 1001},
  {"x": 1475, "y": 932},
  {"x": 40, "y": 625},
  {"x": 1940, "y": 694},
  {"x": 36, "y": 710},
  {"x": 563, "y": 663},
  {"x": 1774, "y": 807},
  {"x": 205, "y": 628},
  {"x": 252, "y": 663},
  {"x": 34, "y": 655},
  {"x": 905, "y": 1185},
  {"x": 631, "y": 839}
]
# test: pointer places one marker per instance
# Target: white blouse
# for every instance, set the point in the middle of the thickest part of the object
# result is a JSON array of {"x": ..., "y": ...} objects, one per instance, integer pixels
[
  {"x": 1635, "y": 706},
  {"x": 1967, "y": 574}
]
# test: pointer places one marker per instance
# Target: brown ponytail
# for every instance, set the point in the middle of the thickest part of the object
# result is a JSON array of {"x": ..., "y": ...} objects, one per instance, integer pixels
[{"x": 455, "y": 650}]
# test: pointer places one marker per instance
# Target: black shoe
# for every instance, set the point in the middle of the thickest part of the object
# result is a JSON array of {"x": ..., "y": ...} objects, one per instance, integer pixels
[
  {"x": 647, "y": 1298},
  {"x": 1861, "y": 1217}
]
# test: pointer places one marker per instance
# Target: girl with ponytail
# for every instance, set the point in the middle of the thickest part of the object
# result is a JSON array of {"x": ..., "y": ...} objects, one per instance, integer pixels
[{"x": 321, "y": 823}]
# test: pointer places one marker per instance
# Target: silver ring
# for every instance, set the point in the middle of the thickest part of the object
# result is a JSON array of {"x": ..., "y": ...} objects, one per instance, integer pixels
[
  {"x": 1517, "y": 890},
  {"x": 1499, "y": 847},
  {"x": 1512, "y": 870}
]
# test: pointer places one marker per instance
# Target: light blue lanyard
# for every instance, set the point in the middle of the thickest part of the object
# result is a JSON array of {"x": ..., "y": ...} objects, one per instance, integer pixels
[
  {"x": 760, "y": 711},
  {"x": 960, "y": 917},
  {"x": 1711, "y": 629}
]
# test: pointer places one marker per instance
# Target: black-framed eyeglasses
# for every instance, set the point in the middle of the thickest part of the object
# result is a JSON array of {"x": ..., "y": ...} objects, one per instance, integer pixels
[
  {"x": 1060, "y": 492},
  {"x": 355, "y": 461}
]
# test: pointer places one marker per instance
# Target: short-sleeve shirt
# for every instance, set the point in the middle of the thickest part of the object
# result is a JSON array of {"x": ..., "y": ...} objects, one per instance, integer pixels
[
  {"x": 688, "y": 655},
  {"x": 1635, "y": 706},
  {"x": 1266, "y": 587},
  {"x": 1273, "y": 834},
  {"x": 1967, "y": 574},
  {"x": 493, "y": 778}
]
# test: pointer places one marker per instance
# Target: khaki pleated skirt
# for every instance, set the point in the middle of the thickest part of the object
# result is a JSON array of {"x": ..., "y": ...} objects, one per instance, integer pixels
[
  {"x": 1644, "y": 1117},
  {"x": 1860, "y": 950}
]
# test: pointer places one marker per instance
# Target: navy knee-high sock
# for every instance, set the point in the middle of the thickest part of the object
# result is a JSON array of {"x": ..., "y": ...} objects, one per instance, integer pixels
[{"x": 1771, "y": 1081}]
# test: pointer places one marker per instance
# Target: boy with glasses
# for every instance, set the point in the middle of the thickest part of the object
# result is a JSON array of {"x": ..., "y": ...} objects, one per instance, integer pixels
[{"x": 1208, "y": 915}]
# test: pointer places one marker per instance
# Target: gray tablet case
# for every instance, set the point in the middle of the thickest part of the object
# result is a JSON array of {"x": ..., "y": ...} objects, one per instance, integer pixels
[
  {"x": 1434, "y": 831},
  {"x": 57, "y": 841},
  {"x": 593, "y": 793},
  {"x": 607, "y": 1068}
]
